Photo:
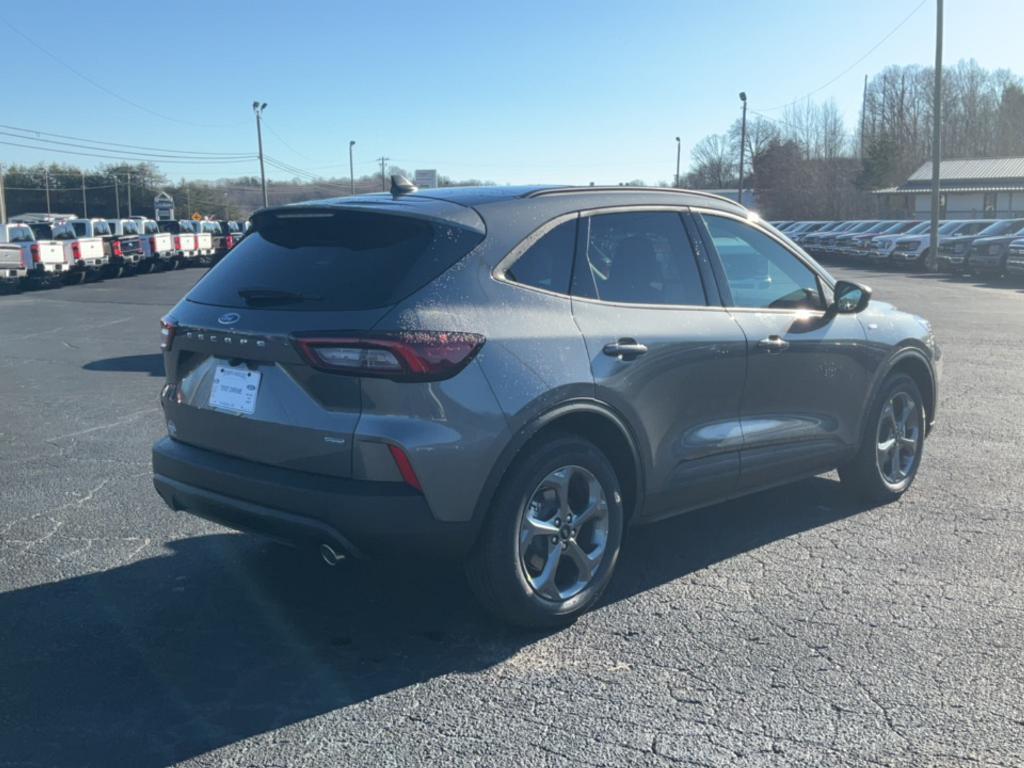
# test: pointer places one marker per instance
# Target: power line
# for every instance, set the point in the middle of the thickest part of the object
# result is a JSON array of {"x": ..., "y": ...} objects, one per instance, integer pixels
[
  {"x": 186, "y": 161},
  {"x": 102, "y": 87},
  {"x": 871, "y": 50},
  {"x": 116, "y": 144},
  {"x": 158, "y": 156}
]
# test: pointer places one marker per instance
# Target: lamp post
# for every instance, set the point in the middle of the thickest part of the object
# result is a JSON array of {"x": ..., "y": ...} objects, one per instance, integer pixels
[
  {"x": 743, "y": 145},
  {"x": 351, "y": 173},
  {"x": 679, "y": 149},
  {"x": 258, "y": 108}
]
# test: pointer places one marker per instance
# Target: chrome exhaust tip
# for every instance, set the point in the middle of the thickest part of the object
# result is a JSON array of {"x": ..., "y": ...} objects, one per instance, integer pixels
[{"x": 330, "y": 555}]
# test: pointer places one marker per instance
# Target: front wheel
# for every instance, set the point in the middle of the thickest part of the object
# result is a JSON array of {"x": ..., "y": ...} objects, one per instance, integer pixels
[
  {"x": 890, "y": 453},
  {"x": 551, "y": 541}
]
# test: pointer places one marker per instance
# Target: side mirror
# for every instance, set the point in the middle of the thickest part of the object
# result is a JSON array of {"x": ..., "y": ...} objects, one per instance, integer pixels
[{"x": 850, "y": 298}]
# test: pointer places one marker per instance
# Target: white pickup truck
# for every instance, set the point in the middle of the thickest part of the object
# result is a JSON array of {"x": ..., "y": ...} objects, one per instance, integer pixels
[
  {"x": 12, "y": 268},
  {"x": 44, "y": 259},
  {"x": 84, "y": 258},
  {"x": 204, "y": 237},
  {"x": 185, "y": 251},
  {"x": 157, "y": 246}
]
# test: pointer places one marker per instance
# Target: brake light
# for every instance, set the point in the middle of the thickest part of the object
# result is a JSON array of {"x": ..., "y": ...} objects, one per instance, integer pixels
[
  {"x": 76, "y": 250},
  {"x": 35, "y": 253},
  {"x": 115, "y": 248},
  {"x": 229, "y": 242},
  {"x": 405, "y": 467},
  {"x": 177, "y": 242},
  {"x": 152, "y": 245},
  {"x": 404, "y": 356},
  {"x": 167, "y": 328}
]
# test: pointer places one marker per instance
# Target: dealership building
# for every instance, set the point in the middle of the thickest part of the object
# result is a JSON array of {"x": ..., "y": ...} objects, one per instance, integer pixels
[{"x": 969, "y": 189}]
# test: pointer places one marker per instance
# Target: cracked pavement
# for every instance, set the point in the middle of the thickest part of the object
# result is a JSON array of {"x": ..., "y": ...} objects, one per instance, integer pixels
[{"x": 791, "y": 628}]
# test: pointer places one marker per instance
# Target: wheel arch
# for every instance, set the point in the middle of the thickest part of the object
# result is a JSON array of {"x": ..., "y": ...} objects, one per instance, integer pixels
[
  {"x": 914, "y": 363},
  {"x": 590, "y": 419}
]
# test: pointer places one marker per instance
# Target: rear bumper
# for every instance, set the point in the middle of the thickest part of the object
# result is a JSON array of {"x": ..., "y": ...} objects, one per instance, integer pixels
[{"x": 358, "y": 517}]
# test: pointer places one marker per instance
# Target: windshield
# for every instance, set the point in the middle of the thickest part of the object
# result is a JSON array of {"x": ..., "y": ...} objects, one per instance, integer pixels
[
  {"x": 350, "y": 260},
  {"x": 150, "y": 228},
  {"x": 100, "y": 228},
  {"x": 1004, "y": 227},
  {"x": 921, "y": 228}
]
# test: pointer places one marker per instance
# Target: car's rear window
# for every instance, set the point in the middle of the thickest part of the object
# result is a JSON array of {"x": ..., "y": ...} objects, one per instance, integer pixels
[{"x": 347, "y": 260}]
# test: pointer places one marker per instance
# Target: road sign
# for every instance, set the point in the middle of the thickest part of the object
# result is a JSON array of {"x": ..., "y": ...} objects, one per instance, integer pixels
[
  {"x": 163, "y": 207},
  {"x": 196, "y": 216}
]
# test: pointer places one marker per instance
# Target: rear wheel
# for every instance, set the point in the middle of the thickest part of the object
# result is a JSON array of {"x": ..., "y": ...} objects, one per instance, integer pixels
[
  {"x": 550, "y": 544},
  {"x": 890, "y": 454}
]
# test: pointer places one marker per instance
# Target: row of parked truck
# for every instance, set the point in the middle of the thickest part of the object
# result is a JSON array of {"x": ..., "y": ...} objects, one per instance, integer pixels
[
  {"x": 43, "y": 250},
  {"x": 990, "y": 247}
]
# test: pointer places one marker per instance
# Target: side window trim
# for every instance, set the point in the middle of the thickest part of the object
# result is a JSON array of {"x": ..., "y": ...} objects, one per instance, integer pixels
[{"x": 824, "y": 287}]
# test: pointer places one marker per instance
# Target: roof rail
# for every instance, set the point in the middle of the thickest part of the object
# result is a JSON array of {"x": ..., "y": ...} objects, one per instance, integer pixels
[{"x": 573, "y": 190}]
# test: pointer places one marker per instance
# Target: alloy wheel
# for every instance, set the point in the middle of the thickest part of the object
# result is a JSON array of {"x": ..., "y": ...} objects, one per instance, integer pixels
[
  {"x": 563, "y": 533},
  {"x": 898, "y": 438}
]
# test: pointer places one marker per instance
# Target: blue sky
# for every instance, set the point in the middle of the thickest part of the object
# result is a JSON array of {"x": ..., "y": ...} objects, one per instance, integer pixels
[{"x": 513, "y": 92}]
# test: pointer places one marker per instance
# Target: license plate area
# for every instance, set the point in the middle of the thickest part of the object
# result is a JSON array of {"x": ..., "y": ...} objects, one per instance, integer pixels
[{"x": 235, "y": 389}]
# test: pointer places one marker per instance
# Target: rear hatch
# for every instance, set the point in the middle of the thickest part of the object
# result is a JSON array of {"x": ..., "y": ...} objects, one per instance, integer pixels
[{"x": 243, "y": 377}]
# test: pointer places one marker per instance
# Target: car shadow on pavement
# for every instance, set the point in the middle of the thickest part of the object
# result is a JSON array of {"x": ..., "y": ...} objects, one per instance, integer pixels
[
  {"x": 152, "y": 364},
  {"x": 223, "y": 637}
]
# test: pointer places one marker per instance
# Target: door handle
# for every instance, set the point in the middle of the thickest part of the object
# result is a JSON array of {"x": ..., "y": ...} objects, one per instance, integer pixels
[
  {"x": 625, "y": 349},
  {"x": 773, "y": 344}
]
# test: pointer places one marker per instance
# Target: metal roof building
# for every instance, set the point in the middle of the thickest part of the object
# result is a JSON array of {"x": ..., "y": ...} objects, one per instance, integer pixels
[{"x": 971, "y": 188}]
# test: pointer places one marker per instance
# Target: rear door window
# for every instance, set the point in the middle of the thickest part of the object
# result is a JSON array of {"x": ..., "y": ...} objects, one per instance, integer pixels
[
  {"x": 547, "y": 263},
  {"x": 641, "y": 257},
  {"x": 347, "y": 260}
]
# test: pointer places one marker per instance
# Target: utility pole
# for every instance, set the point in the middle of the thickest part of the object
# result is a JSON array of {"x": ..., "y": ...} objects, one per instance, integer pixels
[
  {"x": 383, "y": 183},
  {"x": 258, "y": 108},
  {"x": 46, "y": 182},
  {"x": 188, "y": 198},
  {"x": 3, "y": 197},
  {"x": 351, "y": 172},
  {"x": 117, "y": 197},
  {"x": 129, "y": 195},
  {"x": 679, "y": 149},
  {"x": 930, "y": 262},
  {"x": 743, "y": 145},
  {"x": 863, "y": 115},
  {"x": 85, "y": 203},
  {"x": 227, "y": 207}
]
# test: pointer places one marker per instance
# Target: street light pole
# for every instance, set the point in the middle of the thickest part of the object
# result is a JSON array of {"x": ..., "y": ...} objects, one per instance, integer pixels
[
  {"x": 351, "y": 173},
  {"x": 743, "y": 144},
  {"x": 129, "y": 195},
  {"x": 117, "y": 197},
  {"x": 258, "y": 108},
  {"x": 46, "y": 182},
  {"x": 679, "y": 149},
  {"x": 85, "y": 203},
  {"x": 930, "y": 256}
]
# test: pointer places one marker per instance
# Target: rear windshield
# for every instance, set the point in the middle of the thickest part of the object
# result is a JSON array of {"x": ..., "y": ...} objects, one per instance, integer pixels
[
  {"x": 20, "y": 235},
  {"x": 348, "y": 261}
]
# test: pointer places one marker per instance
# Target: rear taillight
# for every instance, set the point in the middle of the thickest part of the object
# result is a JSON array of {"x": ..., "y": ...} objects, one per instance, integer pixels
[
  {"x": 152, "y": 245},
  {"x": 406, "y": 356},
  {"x": 115, "y": 248},
  {"x": 229, "y": 242},
  {"x": 35, "y": 253},
  {"x": 177, "y": 243},
  {"x": 405, "y": 467},
  {"x": 167, "y": 328},
  {"x": 76, "y": 250}
]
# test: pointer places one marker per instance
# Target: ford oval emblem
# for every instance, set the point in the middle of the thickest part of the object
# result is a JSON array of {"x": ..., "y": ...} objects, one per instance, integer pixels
[{"x": 229, "y": 318}]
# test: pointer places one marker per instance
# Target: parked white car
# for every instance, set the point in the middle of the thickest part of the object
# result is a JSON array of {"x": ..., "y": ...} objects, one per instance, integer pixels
[
  {"x": 84, "y": 257},
  {"x": 157, "y": 246},
  {"x": 12, "y": 267}
]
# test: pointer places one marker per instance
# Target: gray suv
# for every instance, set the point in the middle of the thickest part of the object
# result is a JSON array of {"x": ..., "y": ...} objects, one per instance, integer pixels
[{"x": 514, "y": 376}]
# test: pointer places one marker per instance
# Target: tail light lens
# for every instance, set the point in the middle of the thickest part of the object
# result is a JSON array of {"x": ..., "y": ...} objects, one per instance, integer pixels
[
  {"x": 167, "y": 328},
  {"x": 35, "y": 253},
  {"x": 152, "y": 245},
  {"x": 177, "y": 243},
  {"x": 115, "y": 248},
  {"x": 76, "y": 250},
  {"x": 229, "y": 242},
  {"x": 407, "y": 356}
]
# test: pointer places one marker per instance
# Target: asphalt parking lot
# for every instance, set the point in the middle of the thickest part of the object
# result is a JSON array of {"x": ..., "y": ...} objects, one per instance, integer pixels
[{"x": 790, "y": 628}]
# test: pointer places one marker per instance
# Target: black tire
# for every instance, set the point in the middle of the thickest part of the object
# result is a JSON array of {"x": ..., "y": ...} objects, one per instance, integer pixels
[
  {"x": 74, "y": 277},
  {"x": 494, "y": 570},
  {"x": 862, "y": 475}
]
